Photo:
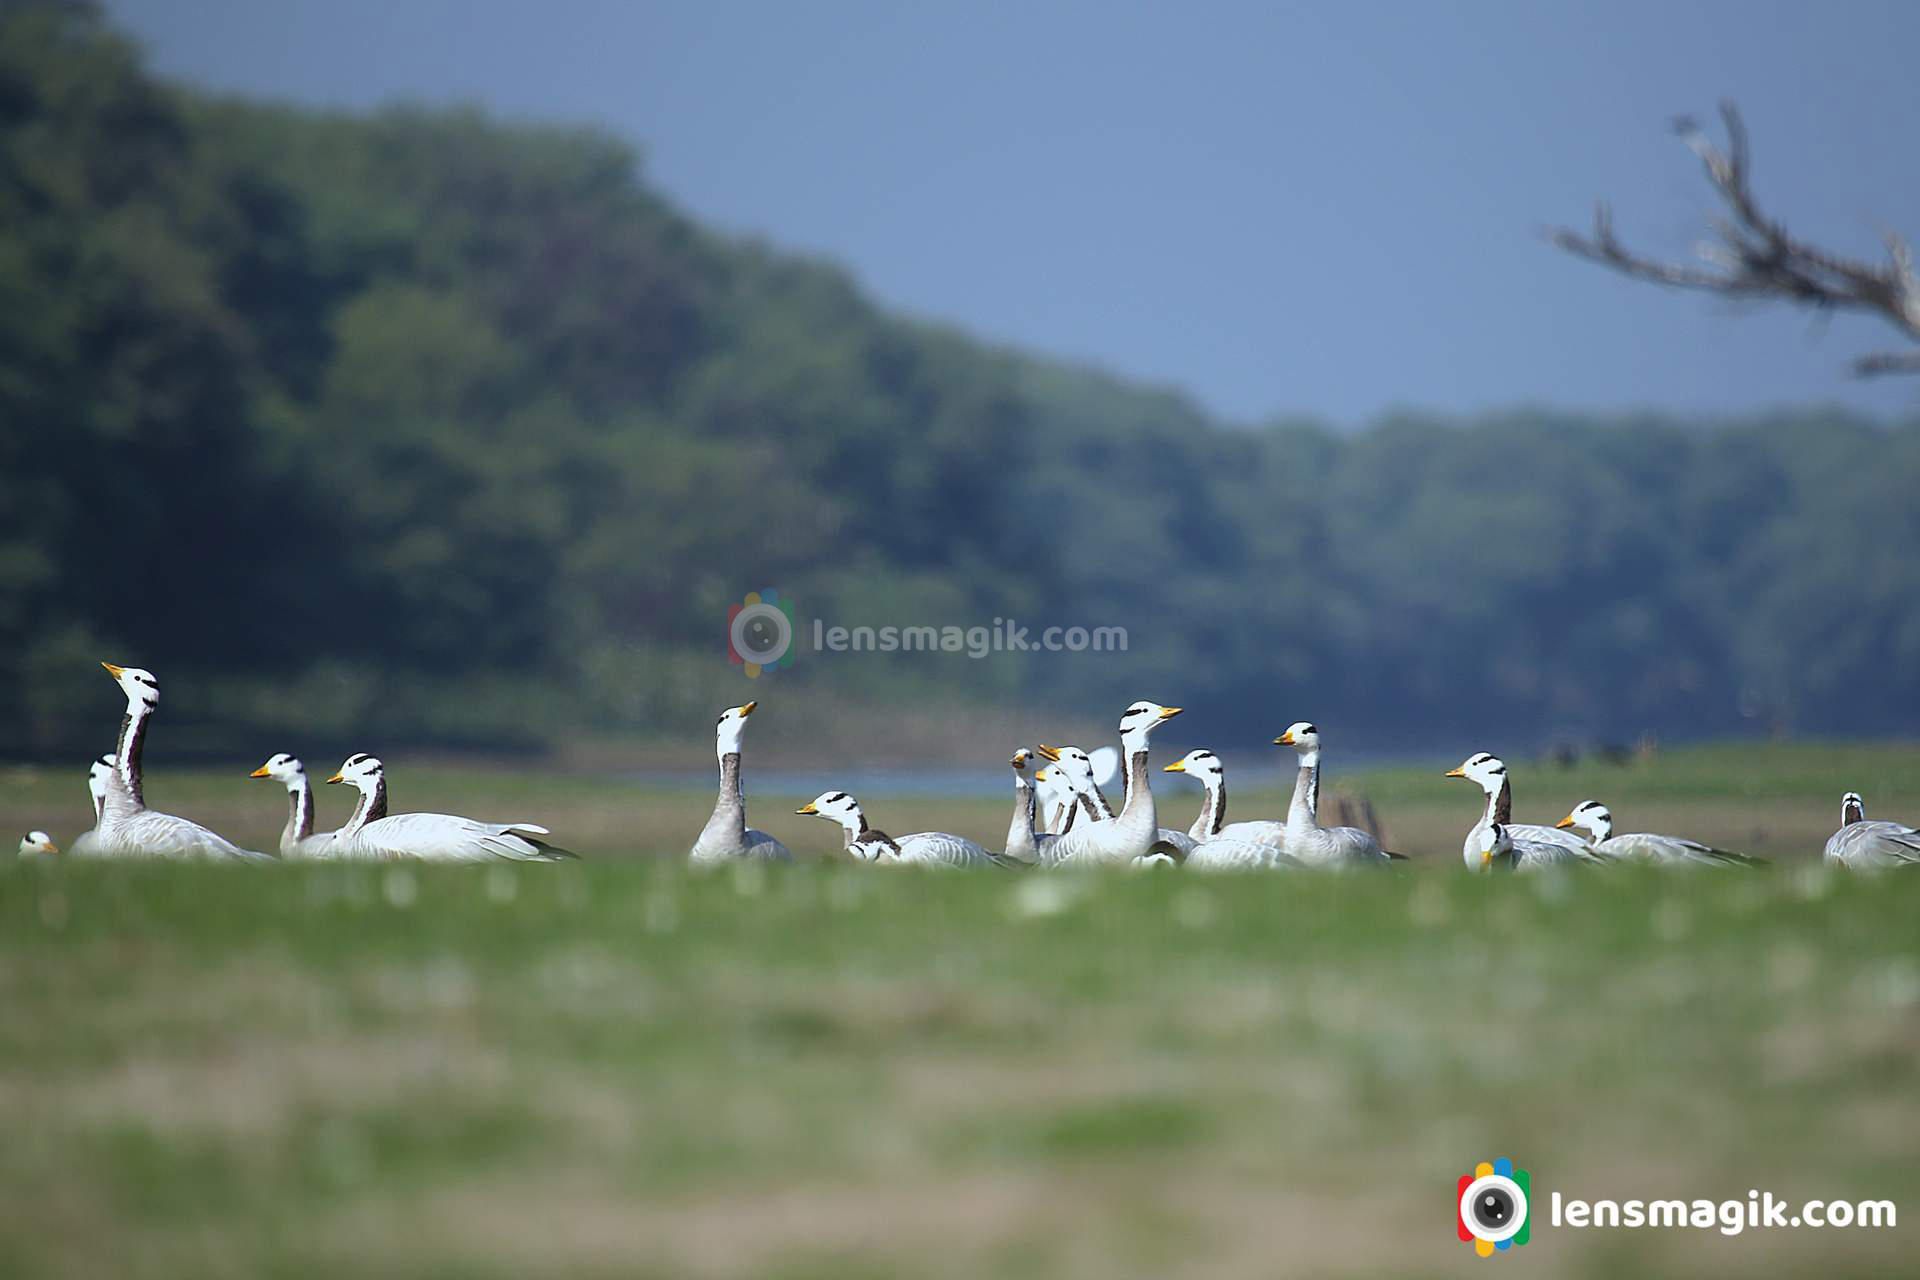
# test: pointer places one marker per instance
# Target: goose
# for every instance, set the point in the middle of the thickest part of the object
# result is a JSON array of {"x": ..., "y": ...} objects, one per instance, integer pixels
[
  {"x": 1640, "y": 846},
  {"x": 1860, "y": 845},
  {"x": 1493, "y": 848},
  {"x": 727, "y": 835},
  {"x": 87, "y": 843},
  {"x": 1025, "y": 846},
  {"x": 922, "y": 849},
  {"x": 1533, "y": 846},
  {"x": 1212, "y": 775},
  {"x": 1133, "y": 832},
  {"x": 1327, "y": 848},
  {"x": 37, "y": 845},
  {"x": 430, "y": 837},
  {"x": 297, "y": 840},
  {"x": 127, "y": 827},
  {"x": 1075, "y": 768},
  {"x": 1061, "y": 804}
]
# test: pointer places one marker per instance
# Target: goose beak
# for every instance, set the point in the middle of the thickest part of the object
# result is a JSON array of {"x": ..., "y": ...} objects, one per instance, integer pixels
[
  {"x": 335, "y": 778},
  {"x": 1040, "y": 775},
  {"x": 1178, "y": 766},
  {"x": 1284, "y": 740},
  {"x": 1019, "y": 760},
  {"x": 1049, "y": 753},
  {"x": 748, "y": 709},
  {"x": 1486, "y": 857},
  {"x": 51, "y": 846},
  {"x": 1167, "y": 713},
  {"x": 261, "y": 772},
  {"x": 1454, "y": 773},
  {"x": 113, "y": 670},
  {"x": 1564, "y": 823},
  {"x": 809, "y": 808}
]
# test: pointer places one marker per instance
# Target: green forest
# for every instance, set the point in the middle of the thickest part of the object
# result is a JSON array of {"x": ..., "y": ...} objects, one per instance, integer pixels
[{"x": 458, "y": 426}]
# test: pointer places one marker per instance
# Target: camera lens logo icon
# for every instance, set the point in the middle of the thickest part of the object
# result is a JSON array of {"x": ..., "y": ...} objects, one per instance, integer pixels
[
  {"x": 760, "y": 632},
  {"x": 1493, "y": 1206}
]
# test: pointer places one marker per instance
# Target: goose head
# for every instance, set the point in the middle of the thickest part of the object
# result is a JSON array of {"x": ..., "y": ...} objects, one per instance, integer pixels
[
  {"x": 362, "y": 770},
  {"x": 1071, "y": 767},
  {"x": 282, "y": 768},
  {"x": 1137, "y": 722},
  {"x": 1021, "y": 759},
  {"x": 97, "y": 774},
  {"x": 38, "y": 844},
  {"x": 1490, "y": 771},
  {"x": 732, "y": 727},
  {"x": 1201, "y": 764},
  {"x": 1595, "y": 818},
  {"x": 1495, "y": 847},
  {"x": 142, "y": 690},
  {"x": 837, "y": 806},
  {"x": 1304, "y": 738},
  {"x": 1852, "y": 809}
]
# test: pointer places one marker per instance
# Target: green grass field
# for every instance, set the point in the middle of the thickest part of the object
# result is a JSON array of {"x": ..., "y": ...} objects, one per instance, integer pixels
[{"x": 614, "y": 1068}]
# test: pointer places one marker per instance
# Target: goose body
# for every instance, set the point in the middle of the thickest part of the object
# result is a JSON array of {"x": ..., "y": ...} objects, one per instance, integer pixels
[
  {"x": 1075, "y": 768},
  {"x": 1309, "y": 843},
  {"x": 923, "y": 849},
  {"x": 429, "y": 837},
  {"x": 127, "y": 828},
  {"x": 87, "y": 844},
  {"x": 1026, "y": 847},
  {"x": 727, "y": 837},
  {"x": 1860, "y": 845},
  {"x": 1534, "y": 847},
  {"x": 1132, "y": 833},
  {"x": 297, "y": 839},
  {"x": 1642, "y": 846}
]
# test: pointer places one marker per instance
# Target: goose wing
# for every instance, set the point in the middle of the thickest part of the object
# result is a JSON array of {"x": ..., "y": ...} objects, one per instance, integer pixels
[
  {"x": 1230, "y": 853},
  {"x": 1871, "y": 846},
  {"x": 161, "y": 835},
  {"x": 1341, "y": 848},
  {"x": 442, "y": 837},
  {"x": 763, "y": 847},
  {"x": 1647, "y": 846},
  {"x": 1263, "y": 831},
  {"x": 1533, "y": 854},
  {"x": 940, "y": 849}
]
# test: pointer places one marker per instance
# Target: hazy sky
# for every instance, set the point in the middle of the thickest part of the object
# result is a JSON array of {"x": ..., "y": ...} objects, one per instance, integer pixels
[{"x": 1327, "y": 209}]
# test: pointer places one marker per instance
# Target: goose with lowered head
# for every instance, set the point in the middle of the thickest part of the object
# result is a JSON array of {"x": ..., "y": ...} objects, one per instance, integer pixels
[
  {"x": 127, "y": 827},
  {"x": 1644, "y": 846},
  {"x": 727, "y": 836},
  {"x": 429, "y": 837},
  {"x": 1860, "y": 845},
  {"x": 922, "y": 849}
]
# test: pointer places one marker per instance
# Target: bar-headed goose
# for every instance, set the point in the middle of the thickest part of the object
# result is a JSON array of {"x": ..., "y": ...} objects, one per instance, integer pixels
[
  {"x": 37, "y": 845},
  {"x": 1132, "y": 833},
  {"x": 1075, "y": 768},
  {"x": 1025, "y": 846},
  {"x": 922, "y": 849},
  {"x": 1207, "y": 769},
  {"x": 1860, "y": 845},
  {"x": 727, "y": 835},
  {"x": 1060, "y": 806},
  {"x": 1642, "y": 846},
  {"x": 1493, "y": 848},
  {"x": 429, "y": 837},
  {"x": 1323, "y": 848},
  {"x": 1533, "y": 845},
  {"x": 87, "y": 843},
  {"x": 296, "y": 838},
  {"x": 127, "y": 827}
]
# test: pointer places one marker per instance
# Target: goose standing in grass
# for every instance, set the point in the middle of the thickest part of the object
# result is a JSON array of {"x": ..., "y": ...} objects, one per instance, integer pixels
[
  {"x": 38, "y": 845},
  {"x": 296, "y": 839},
  {"x": 1860, "y": 845},
  {"x": 1025, "y": 846},
  {"x": 127, "y": 827},
  {"x": 727, "y": 835},
  {"x": 1211, "y": 773},
  {"x": 87, "y": 843},
  {"x": 1309, "y": 843},
  {"x": 1534, "y": 846},
  {"x": 430, "y": 837},
  {"x": 922, "y": 849},
  {"x": 1130, "y": 834},
  {"x": 1641, "y": 846}
]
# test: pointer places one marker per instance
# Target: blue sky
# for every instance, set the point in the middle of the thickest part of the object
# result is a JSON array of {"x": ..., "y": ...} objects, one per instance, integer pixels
[{"x": 1329, "y": 210}]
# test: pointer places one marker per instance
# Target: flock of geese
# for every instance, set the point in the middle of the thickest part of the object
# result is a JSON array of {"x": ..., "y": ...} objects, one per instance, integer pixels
[{"x": 1076, "y": 828}]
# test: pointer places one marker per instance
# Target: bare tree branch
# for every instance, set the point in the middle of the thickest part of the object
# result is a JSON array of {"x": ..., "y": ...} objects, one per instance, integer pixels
[{"x": 1754, "y": 256}]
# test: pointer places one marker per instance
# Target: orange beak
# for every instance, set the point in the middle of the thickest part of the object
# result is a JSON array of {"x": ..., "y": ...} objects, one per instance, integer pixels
[
  {"x": 261, "y": 772},
  {"x": 1454, "y": 773},
  {"x": 113, "y": 670}
]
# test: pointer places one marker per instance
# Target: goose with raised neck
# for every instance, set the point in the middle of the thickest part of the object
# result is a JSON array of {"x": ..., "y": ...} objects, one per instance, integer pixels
[
  {"x": 1323, "y": 848},
  {"x": 1534, "y": 846},
  {"x": 1130, "y": 834},
  {"x": 297, "y": 839},
  {"x": 727, "y": 837},
  {"x": 1211, "y": 773}
]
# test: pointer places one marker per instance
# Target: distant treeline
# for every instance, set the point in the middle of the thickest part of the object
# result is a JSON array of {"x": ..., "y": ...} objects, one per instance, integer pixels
[{"x": 461, "y": 424}]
